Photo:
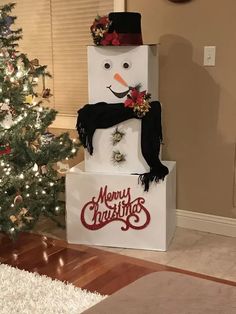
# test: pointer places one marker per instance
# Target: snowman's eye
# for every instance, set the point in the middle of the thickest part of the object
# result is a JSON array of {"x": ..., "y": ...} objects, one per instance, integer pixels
[
  {"x": 126, "y": 64},
  {"x": 107, "y": 64}
]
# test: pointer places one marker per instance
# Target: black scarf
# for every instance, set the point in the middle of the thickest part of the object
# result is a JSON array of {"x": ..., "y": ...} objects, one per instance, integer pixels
[{"x": 103, "y": 115}]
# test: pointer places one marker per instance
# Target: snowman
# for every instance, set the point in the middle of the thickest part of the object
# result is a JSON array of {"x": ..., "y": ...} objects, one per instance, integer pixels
[{"x": 112, "y": 73}]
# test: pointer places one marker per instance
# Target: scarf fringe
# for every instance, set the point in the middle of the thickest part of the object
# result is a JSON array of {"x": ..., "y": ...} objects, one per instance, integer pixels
[
  {"x": 155, "y": 175},
  {"x": 85, "y": 138}
]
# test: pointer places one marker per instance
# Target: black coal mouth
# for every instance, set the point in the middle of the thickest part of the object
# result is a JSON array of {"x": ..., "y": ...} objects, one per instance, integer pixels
[{"x": 121, "y": 94}]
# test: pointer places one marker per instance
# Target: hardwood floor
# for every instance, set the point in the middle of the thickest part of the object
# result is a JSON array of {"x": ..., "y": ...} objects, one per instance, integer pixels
[{"x": 85, "y": 267}]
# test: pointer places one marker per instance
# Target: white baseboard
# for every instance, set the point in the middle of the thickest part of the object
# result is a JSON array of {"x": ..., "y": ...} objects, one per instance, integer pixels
[{"x": 208, "y": 223}]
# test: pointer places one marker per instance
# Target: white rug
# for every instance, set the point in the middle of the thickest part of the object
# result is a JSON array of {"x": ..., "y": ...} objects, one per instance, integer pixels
[{"x": 29, "y": 293}]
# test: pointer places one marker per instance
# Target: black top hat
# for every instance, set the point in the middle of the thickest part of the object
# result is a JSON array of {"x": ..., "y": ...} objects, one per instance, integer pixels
[
  {"x": 118, "y": 29},
  {"x": 128, "y": 27}
]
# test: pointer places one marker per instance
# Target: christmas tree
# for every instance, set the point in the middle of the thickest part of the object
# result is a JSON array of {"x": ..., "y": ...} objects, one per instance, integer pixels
[{"x": 30, "y": 185}]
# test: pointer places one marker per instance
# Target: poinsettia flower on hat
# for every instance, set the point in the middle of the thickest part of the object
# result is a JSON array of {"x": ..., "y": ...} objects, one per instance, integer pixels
[
  {"x": 104, "y": 20},
  {"x": 99, "y": 28},
  {"x": 110, "y": 39},
  {"x": 100, "y": 22}
]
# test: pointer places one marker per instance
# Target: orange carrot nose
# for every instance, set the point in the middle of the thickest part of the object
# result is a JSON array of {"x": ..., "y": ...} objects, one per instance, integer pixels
[{"x": 120, "y": 79}]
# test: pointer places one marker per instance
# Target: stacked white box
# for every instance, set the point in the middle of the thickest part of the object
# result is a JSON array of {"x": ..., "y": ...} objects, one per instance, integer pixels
[
  {"x": 105, "y": 203},
  {"x": 143, "y": 70},
  {"x": 113, "y": 210}
]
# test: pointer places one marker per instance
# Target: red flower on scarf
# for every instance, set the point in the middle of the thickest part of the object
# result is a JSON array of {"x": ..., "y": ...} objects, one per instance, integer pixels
[
  {"x": 138, "y": 101},
  {"x": 135, "y": 98}
]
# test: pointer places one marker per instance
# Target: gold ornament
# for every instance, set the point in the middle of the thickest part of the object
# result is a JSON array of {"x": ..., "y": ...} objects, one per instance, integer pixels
[
  {"x": 13, "y": 218},
  {"x": 23, "y": 211},
  {"x": 118, "y": 157},
  {"x": 34, "y": 145},
  {"x": 29, "y": 218},
  {"x": 117, "y": 136},
  {"x": 142, "y": 109},
  {"x": 17, "y": 219},
  {"x": 29, "y": 99}
]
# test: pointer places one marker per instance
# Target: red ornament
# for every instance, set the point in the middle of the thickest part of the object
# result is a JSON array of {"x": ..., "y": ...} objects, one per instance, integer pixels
[
  {"x": 4, "y": 150},
  {"x": 10, "y": 68}
]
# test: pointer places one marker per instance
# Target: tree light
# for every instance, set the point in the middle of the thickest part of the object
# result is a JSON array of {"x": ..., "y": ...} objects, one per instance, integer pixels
[
  {"x": 19, "y": 74},
  {"x": 35, "y": 167}
]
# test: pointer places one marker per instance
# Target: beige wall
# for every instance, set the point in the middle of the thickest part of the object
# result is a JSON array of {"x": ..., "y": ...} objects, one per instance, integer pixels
[{"x": 199, "y": 103}]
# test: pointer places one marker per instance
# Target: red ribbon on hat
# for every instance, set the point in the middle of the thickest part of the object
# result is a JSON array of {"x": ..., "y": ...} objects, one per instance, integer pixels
[{"x": 121, "y": 39}]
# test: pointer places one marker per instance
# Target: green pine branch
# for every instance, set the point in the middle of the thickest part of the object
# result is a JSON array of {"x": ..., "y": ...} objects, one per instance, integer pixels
[{"x": 30, "y": 185}]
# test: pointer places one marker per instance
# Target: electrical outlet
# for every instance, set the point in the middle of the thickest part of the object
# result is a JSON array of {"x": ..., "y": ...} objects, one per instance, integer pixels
[{"x": 209, "y": 55}]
